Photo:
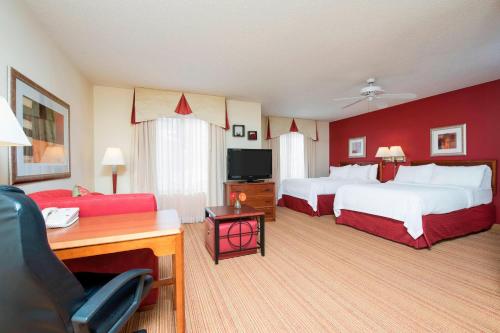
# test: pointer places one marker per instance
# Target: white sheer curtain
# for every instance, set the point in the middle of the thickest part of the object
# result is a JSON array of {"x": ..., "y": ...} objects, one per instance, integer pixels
[
  {"x": 182, "y": 166},
  {"x": 143, "y": 159},
  {"x": 274, "y": 145},
  {"x": 182, "y": 161},
  {"x": 292, "y": 161},
  {"x": 310, "y": 157},
  {"x": 217, "y": 165}
]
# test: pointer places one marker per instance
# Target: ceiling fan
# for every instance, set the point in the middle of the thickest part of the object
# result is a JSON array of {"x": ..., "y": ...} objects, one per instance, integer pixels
[{"x": 374, "y": 93}]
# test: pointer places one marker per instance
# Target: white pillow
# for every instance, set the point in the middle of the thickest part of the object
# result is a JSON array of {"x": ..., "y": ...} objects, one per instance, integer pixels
[
  {"x": 372, "y": 175},
  {"x": 420, "y": 174},
  {"x": 339, "y": 172},
  {"x": 470, "y": 176},
  {"x": 359, "y": 172},
  {"x": 486, "y": 182}
]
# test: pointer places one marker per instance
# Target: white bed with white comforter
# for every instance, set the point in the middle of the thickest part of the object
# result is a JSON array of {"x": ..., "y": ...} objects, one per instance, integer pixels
[
  {"x": 308, "y": 189},
  {"x": 419, "y": 191}
]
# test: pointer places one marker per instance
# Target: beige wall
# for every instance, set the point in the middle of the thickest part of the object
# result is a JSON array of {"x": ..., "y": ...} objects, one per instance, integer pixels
[
  {"x": 26, "y": 48},
  {"x": 112, "y": 108},
  {"x": 112, "y": 128},
  {"x": 322, "y": 149},
  {"x": 248, "y": 114}
]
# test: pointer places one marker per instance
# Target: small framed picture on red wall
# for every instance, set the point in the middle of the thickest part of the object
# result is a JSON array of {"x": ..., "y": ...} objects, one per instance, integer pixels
[{"x": 357, "y": 147}]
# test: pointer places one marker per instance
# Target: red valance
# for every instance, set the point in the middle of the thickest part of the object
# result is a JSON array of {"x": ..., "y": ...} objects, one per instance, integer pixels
[
  {"x": 183, "y": 106},
  {"x": 293, "y": 126}
]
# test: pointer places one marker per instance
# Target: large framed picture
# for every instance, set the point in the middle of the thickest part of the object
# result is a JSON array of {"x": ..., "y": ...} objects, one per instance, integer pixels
[
  {"x": 448, "y": 141},
  {"x": 357, "y": 147},
  {"x": 45, "y": 120}
]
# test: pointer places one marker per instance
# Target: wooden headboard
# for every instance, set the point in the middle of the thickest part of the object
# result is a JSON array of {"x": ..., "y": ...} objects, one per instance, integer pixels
[
  {"x": 491, "y": 163},
  {"x": 379, "y": 169}
]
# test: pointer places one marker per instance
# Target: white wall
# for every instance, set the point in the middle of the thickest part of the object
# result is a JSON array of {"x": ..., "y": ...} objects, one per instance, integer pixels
[
  {"x": 248, "y": 114},
  {"x": 112, "y": 128},
  {"x": 26, "y": 48}
]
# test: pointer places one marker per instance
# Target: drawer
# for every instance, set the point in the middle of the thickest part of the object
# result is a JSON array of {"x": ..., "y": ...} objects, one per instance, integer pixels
[
  {"x": 260, "y": 200},
  {"x": 261, "y": 189}
]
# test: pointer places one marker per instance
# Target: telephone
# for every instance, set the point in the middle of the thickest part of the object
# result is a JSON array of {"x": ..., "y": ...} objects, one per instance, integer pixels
[{"x": 60, "y": 217}]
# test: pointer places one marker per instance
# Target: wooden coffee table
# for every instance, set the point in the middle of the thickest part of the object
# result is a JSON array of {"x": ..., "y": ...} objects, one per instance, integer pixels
[{"x": 229, "y": 214}]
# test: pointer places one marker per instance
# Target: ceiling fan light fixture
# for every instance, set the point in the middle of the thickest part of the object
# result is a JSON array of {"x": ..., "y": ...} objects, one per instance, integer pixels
[{"x": 371, "y": 91}]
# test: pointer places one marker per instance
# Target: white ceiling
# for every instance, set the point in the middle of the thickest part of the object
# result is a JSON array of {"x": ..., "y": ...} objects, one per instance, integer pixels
[{"x": 293, "y": 56}]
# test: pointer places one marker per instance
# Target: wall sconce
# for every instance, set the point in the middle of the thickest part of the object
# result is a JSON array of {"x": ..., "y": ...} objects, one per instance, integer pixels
[
  {"x": 384, "y": 153},
  {"x": 398, "y": 156},
  {"x": 394, "y": 154}
]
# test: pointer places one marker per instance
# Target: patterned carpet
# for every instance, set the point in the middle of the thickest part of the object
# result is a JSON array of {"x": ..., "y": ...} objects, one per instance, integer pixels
[{"x": 321, "y": 277}]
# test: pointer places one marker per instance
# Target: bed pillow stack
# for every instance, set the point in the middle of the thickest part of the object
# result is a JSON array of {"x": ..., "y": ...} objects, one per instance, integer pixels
[
  {"x": 360, "y": 172},
  {"x": 339, "y": 172},
  {"x": 478, "y": 176},
  {"x": 421, "y": 174},
  {"x": 467, "y": 176}
]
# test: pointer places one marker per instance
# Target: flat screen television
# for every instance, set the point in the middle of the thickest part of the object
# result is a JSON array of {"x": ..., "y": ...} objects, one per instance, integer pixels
[{"x": 249, "y": 164}]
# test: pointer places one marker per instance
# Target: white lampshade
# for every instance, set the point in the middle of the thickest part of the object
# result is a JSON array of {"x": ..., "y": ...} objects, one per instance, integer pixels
[
  {"x": 113, "y": 156},
  {"x": 383, "y": 152},
  {"x": 11, "y": 132},
  {"x": 397, "y": 151}
]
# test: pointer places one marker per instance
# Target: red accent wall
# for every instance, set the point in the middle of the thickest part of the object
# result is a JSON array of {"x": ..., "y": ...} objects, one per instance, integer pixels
[{"x": 408, "y": 125}]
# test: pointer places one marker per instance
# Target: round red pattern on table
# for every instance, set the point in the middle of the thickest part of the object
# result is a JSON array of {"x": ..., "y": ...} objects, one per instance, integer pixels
[{"x": 242, "y": 196}]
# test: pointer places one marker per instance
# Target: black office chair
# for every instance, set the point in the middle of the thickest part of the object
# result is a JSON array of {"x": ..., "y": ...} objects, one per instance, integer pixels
[{"x": 39, "y": 294}]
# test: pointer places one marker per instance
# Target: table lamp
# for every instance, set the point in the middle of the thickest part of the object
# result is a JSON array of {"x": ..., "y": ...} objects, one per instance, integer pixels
[
  {"x": 11, "y": 132},
  {"x": 114, "y": 157}
]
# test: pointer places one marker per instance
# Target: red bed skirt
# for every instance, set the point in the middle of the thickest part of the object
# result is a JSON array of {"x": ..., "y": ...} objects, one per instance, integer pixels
[
  {"x": 325, "y": 204},
  {"x": 436, "y": 227}
]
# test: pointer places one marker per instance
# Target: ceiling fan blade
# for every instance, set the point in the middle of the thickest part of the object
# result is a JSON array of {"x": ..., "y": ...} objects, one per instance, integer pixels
[
  {"x": 398, "y": 96},
  {"x": 356, "y": 102},
  {"x": 345, "y": 99}
]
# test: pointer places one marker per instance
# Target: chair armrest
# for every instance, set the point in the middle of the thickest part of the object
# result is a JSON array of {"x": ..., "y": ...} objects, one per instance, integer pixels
[{"x": 85, "y": 313}]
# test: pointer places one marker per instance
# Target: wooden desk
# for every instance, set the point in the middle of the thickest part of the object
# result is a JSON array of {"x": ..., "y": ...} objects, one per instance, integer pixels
[{"x": 92, "y": 236}]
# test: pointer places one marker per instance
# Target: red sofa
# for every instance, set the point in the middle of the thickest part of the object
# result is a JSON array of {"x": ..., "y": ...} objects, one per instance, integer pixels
[{"x": 97, "y": 204}]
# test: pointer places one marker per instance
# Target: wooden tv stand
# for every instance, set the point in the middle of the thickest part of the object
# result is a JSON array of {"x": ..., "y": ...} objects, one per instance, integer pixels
[{"x": 260, "y": 196}]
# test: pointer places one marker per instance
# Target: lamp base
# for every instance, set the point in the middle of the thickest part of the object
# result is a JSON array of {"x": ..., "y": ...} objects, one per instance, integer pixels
[{"x": 115, "y": 177}]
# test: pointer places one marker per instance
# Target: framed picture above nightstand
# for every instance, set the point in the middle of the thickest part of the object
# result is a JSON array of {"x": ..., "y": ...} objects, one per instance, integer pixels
[{"x": 357, "y": 147}]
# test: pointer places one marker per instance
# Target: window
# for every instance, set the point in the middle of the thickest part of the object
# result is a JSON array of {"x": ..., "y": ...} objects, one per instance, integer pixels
[
  {"x": 292, "y": 156},
  {"x": 182, "y": 165}
]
